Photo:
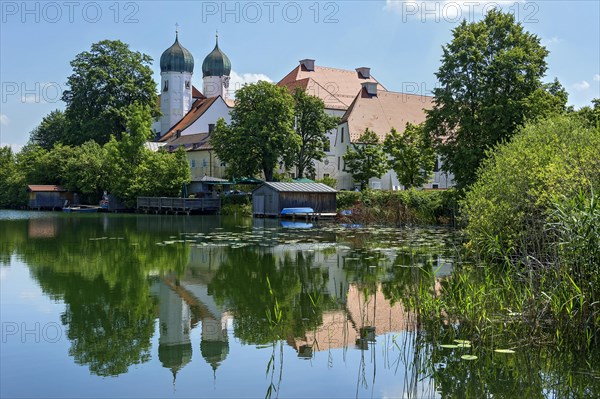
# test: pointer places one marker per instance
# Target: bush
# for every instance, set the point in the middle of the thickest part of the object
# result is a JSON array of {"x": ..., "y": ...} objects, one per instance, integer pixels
[
  {"x": 399, "y": 207},
  {"x": 507, "y": 208}
]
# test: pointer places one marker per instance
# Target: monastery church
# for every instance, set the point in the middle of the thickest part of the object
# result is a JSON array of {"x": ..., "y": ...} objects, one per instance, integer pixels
[{"x": 189, "y": 116}]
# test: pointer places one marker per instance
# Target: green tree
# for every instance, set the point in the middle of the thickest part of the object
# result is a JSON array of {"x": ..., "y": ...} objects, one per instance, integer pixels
[
  {"x": 107, "y": 80},
  {"x": 366, "y": 158},
  {"x": 86, "y": 171},
  {"x": 490, "y": 84},
  {"x": 412, "y": 157},
  {"x": 50, "y": 131},
  {"x": 136, "y": 171},
  {"x": 261, "y": 131},
  {"x": 591, "y": 114},
  {"x": 12, "y": 180},
  {"x": 312, "y": 124}
]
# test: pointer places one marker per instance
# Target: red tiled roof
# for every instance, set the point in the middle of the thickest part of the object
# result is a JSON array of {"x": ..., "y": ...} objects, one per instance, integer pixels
[
  {"x": 45, "y": 188},
  {"x": 384, "y": 111},
  {"x": 196, "y": 93},
  {"x": 336, "y": 87},
  {"x": 199, "y": 107},
  {"x": 191, "y": 142}
]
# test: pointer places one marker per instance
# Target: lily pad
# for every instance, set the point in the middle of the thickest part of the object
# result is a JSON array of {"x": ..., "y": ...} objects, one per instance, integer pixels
[
  {"x": 449, "y": 346},
  {"x": 504, "y": 351},
  {"x": 468, "y": 357},
  {"x": 462, "y": 341},
  {"x": 463, "y": 345}
]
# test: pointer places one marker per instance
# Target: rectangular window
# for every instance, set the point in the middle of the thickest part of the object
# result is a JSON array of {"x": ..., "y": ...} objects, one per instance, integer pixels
[
  {"x": 205, "y": 163},
  {"x": 339, "y": 160},
  {"x": 193, "y": 163},
  {"x": 211, "y": 127},
  {"x": 326, "y": 145},
  {"x": 342, "y": 138},
  {"x": 436, "y": 166}
]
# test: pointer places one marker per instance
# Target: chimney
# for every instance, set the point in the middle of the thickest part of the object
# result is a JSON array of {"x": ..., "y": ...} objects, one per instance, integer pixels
[
  {"x": 364, "y": 72},
  {"x": 370, "y": 87},
  {"x": 308, "y": 64}
]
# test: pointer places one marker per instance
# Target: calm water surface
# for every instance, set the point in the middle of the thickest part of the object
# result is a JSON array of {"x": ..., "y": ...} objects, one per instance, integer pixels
[{"x": 207, "y": 306}]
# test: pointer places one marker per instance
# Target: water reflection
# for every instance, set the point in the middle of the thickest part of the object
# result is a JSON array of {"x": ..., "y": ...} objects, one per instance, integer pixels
[{"x": 203, "y": 289}]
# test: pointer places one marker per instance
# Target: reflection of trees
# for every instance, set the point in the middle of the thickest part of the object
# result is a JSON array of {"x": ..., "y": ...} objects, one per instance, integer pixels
[
  {"x": 259, "y": 285},
  {"x": 100, "y": 270}
]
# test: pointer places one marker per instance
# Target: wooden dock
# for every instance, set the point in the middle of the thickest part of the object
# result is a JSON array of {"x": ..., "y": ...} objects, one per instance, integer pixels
[{"x": 178, "y": 205}]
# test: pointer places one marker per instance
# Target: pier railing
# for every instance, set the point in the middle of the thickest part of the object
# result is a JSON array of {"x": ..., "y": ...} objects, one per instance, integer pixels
[{"x": 166, "y": 204}]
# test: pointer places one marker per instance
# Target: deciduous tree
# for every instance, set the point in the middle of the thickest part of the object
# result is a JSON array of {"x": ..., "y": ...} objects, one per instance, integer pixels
[
  {"x": 312, "y": 125},
  {"x": 107, "y": 80},
  {"x": 366, "y": 158},
  {"x": 489, "y": 85},
  {"x": 261, "y": 133},
  {"x": 411, "y": 155}
]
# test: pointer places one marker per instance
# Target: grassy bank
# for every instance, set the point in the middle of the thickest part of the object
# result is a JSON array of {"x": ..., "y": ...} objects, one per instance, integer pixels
[{"x": 399, "y": 207}]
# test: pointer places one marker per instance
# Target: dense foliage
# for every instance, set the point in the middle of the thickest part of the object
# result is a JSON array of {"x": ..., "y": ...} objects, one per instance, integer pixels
[
  {"x": 126, "y": 168},
  {"x": 507, "y": 208},
  {"x": 399, "y": 207},
  {"x": 312, "y": 125},
  {"x": 261, "y": 133},
  {"x": 366, "y": 159},
  {"x": 490, "y": 85},
  {"x": 411, "y": 155},
  {"x": 106, "y": 81}
]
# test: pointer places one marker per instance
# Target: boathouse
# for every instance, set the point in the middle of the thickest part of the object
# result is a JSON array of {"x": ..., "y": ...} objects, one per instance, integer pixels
[
  {"x": 43, "y": 196},
  {"x": 271, "y": 198}
]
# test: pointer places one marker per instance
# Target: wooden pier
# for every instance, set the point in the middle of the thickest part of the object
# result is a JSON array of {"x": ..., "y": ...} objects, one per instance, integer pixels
[{"x": 178, "y": 205}]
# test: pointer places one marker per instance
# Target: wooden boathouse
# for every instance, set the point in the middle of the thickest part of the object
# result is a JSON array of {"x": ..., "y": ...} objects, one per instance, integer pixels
[{"x": 271, "y": 198}]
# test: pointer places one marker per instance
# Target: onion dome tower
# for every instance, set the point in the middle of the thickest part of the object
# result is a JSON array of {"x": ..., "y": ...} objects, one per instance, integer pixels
[
  {"x": 216, "y": 69},
  {"x": 176, "y": 70}
]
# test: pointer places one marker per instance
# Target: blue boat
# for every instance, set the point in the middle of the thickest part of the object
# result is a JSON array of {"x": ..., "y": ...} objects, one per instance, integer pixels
[
  {"x": 296, "y": 212},
  {"x": 81, "y": 208}
]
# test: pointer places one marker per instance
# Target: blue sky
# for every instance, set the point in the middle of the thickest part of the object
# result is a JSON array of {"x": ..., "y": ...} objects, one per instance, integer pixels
[{"x": 400, "y": 40}]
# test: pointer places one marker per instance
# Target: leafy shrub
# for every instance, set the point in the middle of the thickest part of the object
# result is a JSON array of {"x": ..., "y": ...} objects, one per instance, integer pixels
[
  {"x": 507, "y": 208},
  {"x": 399, "y": 207}
]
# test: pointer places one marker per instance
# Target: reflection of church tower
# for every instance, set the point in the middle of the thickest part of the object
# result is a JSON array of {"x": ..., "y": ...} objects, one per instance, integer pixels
[
  {"x": 214, "y": 344},
  {"x": 176, "y": 69},
  {"x": 216, "y": 69},
  {"x": 174, "y": 345}
]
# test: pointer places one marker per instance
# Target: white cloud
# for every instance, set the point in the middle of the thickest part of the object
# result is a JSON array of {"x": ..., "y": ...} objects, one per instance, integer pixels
[
  {"x": 236, "y": 80},
  {"x": 597, "y": 78},
  {"x": 445, "y": 10},
  {"x": 4, "y": 120},
  {"x": 581, "y": 86}
]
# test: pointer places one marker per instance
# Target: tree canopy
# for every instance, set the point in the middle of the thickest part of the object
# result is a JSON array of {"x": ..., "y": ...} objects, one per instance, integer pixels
[
  {"x": 312, "y": 124},
  {"x": 411, "y": 155},
  {"x": 106, "y": 80},
  {"x": 261, "y": 131},
  {"x": 50, "y": 131},
  {"x": 366, "y": 158},
  {"x": 489, "y": 85}
]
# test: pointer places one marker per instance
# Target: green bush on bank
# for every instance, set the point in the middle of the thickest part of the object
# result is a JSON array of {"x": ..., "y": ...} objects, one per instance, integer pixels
[
  {"x": 507, "y": 209},
  {"x": 534, "y": 209},
  {"x": 399, "y": 207}
]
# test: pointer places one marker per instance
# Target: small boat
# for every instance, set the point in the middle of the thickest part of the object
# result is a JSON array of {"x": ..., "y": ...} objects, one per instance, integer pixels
[
  {"x": 81, "y": 208},
  {"x": 291, "y": 212}
]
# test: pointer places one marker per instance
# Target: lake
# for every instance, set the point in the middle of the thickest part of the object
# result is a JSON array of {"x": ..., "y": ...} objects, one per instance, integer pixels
[{"x": 154, "y": 306}]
